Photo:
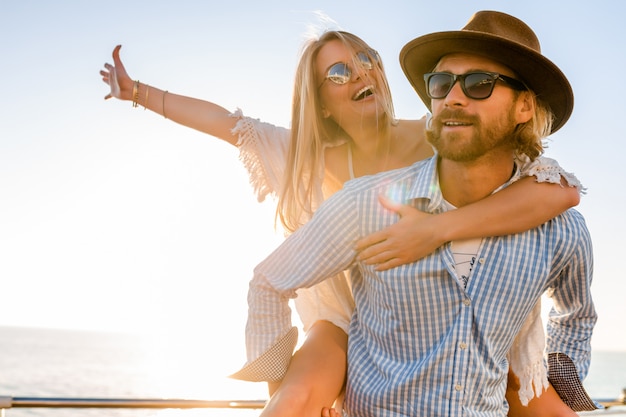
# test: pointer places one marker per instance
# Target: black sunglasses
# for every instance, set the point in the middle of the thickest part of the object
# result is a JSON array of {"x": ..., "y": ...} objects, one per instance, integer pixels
[
  {"x": 476, "y": 85},
  {"x": 340, "y": 73}
]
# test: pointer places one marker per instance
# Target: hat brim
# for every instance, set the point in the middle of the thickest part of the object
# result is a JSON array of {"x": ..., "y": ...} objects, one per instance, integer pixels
[{"x": 541, "y": 75}]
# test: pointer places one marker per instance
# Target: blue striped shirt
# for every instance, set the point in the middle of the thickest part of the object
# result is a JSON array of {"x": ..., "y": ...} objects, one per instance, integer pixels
[{"x": 420, "y": 342}]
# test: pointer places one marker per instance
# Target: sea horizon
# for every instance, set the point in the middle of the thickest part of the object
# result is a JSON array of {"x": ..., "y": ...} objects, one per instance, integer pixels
[{"x": 45, "y": 362}]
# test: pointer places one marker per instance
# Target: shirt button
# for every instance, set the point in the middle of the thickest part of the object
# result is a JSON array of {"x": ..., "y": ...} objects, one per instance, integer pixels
[
  {"x": 481, "y": 260},
  {"x": 463, "y": 345},
  {"x": 467, "y": 301},
  {"x": 458, "y": 387}
]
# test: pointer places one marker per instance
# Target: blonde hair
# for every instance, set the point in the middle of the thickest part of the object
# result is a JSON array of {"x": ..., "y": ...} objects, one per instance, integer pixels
[
  {"x": 310, "y": 130},
  {"x": 529, "y": 137}
]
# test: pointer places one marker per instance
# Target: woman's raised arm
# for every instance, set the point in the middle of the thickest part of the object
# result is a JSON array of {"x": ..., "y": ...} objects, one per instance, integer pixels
[{"x": 200, "y": 115}]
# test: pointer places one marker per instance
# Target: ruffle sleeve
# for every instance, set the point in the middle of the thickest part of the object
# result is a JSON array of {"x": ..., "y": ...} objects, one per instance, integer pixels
[
  {"x": 548, "y": 170},
  {"x": 526, "y": 357},
  {"x": 263, "y": 151}
]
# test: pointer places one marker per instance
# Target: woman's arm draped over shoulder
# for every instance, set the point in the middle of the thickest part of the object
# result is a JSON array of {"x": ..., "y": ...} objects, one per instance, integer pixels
[
  {"x": 544, "y": 193},
  {"x": 522, "y": 206}
]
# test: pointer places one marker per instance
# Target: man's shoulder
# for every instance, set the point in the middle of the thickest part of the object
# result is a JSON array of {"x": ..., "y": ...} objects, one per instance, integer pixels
[
  {"x": 572, "y": 217},
  {"x": 570, "y": 226}
]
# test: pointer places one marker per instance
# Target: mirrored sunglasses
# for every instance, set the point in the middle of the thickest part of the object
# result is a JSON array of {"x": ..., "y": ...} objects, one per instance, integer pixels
[
  {"x": 477, "y": 85},
  {"x": 340, "y": 72}
]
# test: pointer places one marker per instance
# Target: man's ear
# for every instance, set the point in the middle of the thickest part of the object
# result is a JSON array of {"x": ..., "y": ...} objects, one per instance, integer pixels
[{"x": 525, "y": 107}]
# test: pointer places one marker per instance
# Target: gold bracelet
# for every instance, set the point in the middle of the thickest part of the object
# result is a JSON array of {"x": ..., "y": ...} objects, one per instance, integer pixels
[
  {"x": 135, "y": 93},
  {"x": 145, "y": 103},
  {"x": 164, "y": 93}
]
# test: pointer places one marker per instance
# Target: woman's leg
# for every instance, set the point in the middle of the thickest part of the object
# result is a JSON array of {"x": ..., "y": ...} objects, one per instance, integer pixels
[
  {"x": 548, "y": 404},
  {"x": 315, "y": 377}
]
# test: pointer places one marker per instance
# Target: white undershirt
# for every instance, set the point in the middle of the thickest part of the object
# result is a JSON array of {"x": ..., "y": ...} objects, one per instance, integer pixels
[{"x": 465, "y": 253}]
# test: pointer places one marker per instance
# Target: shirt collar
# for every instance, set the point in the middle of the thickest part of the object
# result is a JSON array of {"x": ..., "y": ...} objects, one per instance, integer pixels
[{"x": 426, "y": 184}]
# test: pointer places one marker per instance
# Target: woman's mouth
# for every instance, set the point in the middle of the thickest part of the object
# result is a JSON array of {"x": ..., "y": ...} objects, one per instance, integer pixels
[{"x": 364, "y": 92}]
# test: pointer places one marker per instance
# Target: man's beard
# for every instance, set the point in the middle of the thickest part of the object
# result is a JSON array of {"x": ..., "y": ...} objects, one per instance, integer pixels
[{"x": 461, "y": 148}]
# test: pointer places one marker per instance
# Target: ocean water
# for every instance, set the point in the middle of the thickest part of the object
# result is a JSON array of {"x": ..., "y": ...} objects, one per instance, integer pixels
[
  {"x": 70, "y": 363},
  {"x": 66, "y": 363}
]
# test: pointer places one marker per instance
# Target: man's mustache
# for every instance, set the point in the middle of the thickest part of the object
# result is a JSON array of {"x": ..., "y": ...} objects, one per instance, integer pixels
[{"x": 457, "y": 115}]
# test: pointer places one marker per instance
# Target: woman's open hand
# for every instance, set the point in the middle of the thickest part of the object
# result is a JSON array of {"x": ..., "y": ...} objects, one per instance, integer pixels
[{"x": 116, "y": 77}]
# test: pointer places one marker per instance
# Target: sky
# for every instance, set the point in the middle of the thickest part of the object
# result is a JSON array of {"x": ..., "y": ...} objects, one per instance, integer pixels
[{"x": 113, "y": 218}]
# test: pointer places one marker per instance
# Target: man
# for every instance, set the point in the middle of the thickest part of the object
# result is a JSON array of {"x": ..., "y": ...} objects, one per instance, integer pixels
[{"x": 431, "y": 338}]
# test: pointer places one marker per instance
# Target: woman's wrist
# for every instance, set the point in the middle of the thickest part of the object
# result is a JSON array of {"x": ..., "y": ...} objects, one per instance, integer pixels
[
  {"x": 444, "y": 227},
  {"x": 135, "y": 93},
  {"x": 140, "y": 94}
]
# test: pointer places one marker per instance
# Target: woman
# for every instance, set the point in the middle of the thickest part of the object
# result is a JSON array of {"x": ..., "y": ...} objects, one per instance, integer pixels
[{"x": 343, "y": 126}]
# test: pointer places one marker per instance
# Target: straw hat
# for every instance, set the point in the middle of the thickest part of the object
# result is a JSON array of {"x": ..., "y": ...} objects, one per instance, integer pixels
[{"x": 500, "y": 37}]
